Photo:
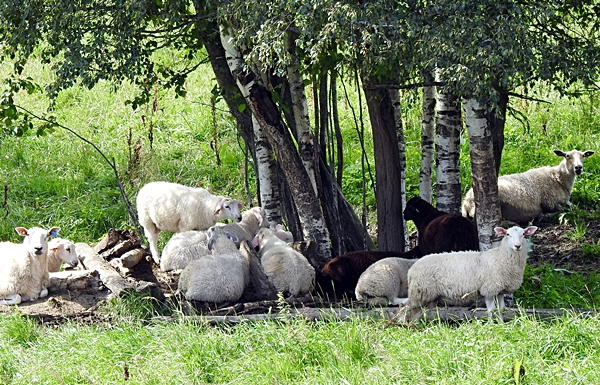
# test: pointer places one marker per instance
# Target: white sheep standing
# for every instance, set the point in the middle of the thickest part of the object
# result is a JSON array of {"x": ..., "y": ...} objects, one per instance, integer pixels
[
  {"x": 527, "y": 195},
  {"x": 288, "y": 270},
  {"x": 165, "y": 206},
  {"x": 453, "y": 276},
  {"x": 219, "y": 277},
  {"x": 384, "y": 282},
  {"x": 183, "y": 248},
  {"x": 61, "y": 250},
  {"x": 24, "y": 273}
]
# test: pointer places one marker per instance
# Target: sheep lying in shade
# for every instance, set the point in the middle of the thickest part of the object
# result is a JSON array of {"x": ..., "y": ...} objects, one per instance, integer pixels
[
  {"x": 183, "y": 248},
  {"x": 61, "y": 250},
  {"x": 219, "y": 277},
  {"x": 452, "y": 276},
  {"x": 24, "y": 275},
  {"x": 384, "y": 282},
  {"x": 440, "y": 231},
  {"x": 253, "y": 219},
  {"x": 526, "y": 196},
  {"x": 288, "y": 270},
  {"x": 164, "y": 206},
  {"x": 340, "y": 274}
]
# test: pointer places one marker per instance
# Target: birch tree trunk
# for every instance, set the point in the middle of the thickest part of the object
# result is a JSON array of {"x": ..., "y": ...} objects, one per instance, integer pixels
[
  {"x": 485, "y": 179},
  {"x": 448, "y": 191},
  {"x": 304, "y": 135},
  {"x": 497, "y": 119},
  {"x": 388, "y": 175},
  {"x": 427, "y": 140}
]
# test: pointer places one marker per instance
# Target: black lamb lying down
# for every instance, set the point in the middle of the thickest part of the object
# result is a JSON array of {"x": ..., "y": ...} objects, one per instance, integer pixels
[
  {"x": 340, "y": 275},
  {"x": 440, "y": 231}
]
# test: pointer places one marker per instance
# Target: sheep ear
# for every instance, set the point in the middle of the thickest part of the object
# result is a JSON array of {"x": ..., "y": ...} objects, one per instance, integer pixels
[
  {"x": 588, "y": 153},
  {"x": 22, "y": 231},
  {"x": 233, "y": 238},
  {"x": 53, "y": 231},
  {"x": 530, "y": 230},
  {"x": 218, "y": 208},
  {"x": 559, "y": 153},
  {"x": 500, "y": 231},
  {"x": 278, "y": 226}
]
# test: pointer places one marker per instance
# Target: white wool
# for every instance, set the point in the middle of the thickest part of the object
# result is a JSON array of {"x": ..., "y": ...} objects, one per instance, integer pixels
[
  {"x": 61, "y": 250},
  {"x": 219, "y": 277},
  {"x": 183, "y": 248},
  {"x": 384, "y": 282},
  {"x": 525, "y": 196},
  {"x": 24, "y": 276},
  {"x": 288, "y": 270},
  {"x": 452, "y": 276},
  {"x": 164, "y": 206}
]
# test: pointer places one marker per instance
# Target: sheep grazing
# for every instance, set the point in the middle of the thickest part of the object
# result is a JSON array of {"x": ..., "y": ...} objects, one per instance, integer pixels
[
  {"x": 528, "y": 195},
  {"x": 440, "y": 231},
  {"x": 288, "y": 270},
  {"x": 24, "y": 275},
  {"x": 451, "y": 277},
  {"x": 183, "y": 248},
  {"x": 164, "y": 206},
  {"x": 61, "y": 250},
  {"x": 340, "y": 274},
  {"x": 384, "y": 282},
  {"x": 219, "y": 277}
]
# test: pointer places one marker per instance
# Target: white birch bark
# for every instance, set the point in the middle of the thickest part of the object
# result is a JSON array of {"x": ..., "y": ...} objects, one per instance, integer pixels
[
  {"x": 427, "y": 143},
  {"x": 485, "y": 180},
  {"x": 395, "y": 96},
  {"x": 269, "y": 194},
  {"x": 303, "y": 134},
  {"x": 447, "y": 147}
]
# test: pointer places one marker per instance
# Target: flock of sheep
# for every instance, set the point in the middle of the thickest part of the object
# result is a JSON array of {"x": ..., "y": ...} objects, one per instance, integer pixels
[{"x": 445, "y": 268}]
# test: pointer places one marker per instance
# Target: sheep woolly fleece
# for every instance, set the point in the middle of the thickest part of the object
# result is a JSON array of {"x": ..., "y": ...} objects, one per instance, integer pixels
[
  {"x": 164, "y": 206},
  {"x": 24, "y": 275},
  {"x": 219, "y": 277},
  {"x": 526, "y": 196},
  {"x": 288, "y": 270},
  {"x": 384, "y": 282},
  {"x": 183, "y": 248},
  {"x": 452, "y": 276}
]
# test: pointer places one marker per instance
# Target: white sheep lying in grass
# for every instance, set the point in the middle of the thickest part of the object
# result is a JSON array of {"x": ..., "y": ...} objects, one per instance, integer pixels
[
  {"x": 61, "y": 250},
  {"x": 183, "y": 248},
  {"x": 219, "y": 277},
  {"x": 24, "y": 273},
  {"x": 527, "y": 195},
  {"x": 453, "y": 276},
  {"x": 164, "y": 206},
  {"x": 384, "y": 282},
  {"x": 288, "y": 270}
]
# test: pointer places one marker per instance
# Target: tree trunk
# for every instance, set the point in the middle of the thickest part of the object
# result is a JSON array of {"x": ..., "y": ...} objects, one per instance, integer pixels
[
  {"x": 497, "y": 119},
  {"x": 395, "y": 96},
  {"x": 485, "y": 179},
  {"x": 339, "y": 140},
  {"x": 388, "y": 175},
  {"x": 427, "y": 141},
  {"x": 448, "y": 191}
]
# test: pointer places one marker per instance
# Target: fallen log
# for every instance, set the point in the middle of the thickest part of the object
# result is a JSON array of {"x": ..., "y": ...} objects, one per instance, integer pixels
[
  {"x": 74, "y": 280},
  {"x": 108, "y": 275}
]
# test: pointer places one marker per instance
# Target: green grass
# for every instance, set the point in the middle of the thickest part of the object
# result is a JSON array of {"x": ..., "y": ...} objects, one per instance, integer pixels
[{"x": 561, "y": 351}]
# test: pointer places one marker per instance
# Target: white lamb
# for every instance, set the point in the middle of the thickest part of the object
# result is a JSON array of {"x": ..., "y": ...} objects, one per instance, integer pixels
[
  {"x": 283, "y": 234},
  {"x": 453, "y": 276},
  {"x": 288, "y": 270},
  {"x": 164, "y": 206},
  {"x": 219, "y": 277},
  {"x": 526, "y": 196},
  {"x": 384, "y": 282},
  {"x": 24, "y": 273},
  {"x": 183, "y": 248},
  {"x": 61, "y": 250},
  {"x": 253, "y": 219}
]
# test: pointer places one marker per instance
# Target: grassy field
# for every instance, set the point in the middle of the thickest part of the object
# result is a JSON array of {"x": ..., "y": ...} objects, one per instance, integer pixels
[{"x": 58, "y": 180}]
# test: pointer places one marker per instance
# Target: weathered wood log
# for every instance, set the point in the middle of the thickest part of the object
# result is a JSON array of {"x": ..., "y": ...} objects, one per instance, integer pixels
[
  {"x": 259, "y": 287},
  {"x": 114, "y": 237},
  {"x": 109, "y": 276},
  {"x": 74, "y": 280}
]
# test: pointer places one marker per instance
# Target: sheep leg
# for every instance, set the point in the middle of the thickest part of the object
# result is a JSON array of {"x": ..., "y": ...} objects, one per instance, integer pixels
[
  {"x": 11, "y": 299},
  {"x": 152, "y": 236},
  {"x": 399, "y": 301},
  {"x": 43, "y": 293},
  {"x": 500, "y": 301}
]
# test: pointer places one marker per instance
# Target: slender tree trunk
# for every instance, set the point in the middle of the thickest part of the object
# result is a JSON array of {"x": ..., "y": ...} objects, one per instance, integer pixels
[
  {"x": 497, "y": 119},
  {"x": 448, "y": 192},
  {"x": 427, "y": 140},
  {"x": 339, "y": 141},
  {"x": 395, "y": 96},
  {"x": 388, "y": 175},
  {"x": 485, "y": 179},
  {"x": 303, "y": 134}
]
